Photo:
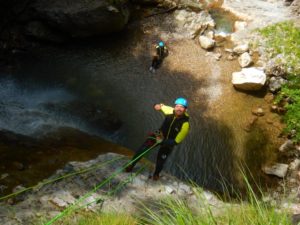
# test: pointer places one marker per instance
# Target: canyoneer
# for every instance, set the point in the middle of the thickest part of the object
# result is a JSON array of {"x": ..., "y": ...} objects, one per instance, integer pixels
[
  {"x": 161, "y": 53},
  {"x": 173, "y": 130}
]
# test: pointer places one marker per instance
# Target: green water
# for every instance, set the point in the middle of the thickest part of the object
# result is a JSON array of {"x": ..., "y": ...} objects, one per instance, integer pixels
[{"x": 224, "y": 20}]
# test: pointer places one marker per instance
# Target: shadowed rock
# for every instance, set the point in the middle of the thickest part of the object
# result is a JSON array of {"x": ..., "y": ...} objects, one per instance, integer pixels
[{"x": 82, "y": 18}]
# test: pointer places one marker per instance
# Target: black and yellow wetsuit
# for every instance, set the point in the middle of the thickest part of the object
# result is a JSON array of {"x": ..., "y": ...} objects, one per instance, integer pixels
[
  {"x": 174, "y": 130},
  {"x": 161, "y": 51}
]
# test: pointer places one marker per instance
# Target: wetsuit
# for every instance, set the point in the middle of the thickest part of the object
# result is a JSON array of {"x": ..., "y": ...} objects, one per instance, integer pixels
[
  {"x": 174, "y": 130},
  {"x": 161, "y": 51}
]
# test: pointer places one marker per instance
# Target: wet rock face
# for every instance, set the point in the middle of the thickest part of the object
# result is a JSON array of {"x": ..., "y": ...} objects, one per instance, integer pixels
[
  {"x": 122, "y": 194},
  {"x": 81, "y": 18},
  {"x": 41, "y": 31},
  {"x": 103, "y": 119}
]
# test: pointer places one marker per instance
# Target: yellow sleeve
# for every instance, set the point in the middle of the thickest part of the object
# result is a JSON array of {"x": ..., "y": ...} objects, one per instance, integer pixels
[
  {"x": 167, "y": 110},
  {"x": 183, "y": 132}
]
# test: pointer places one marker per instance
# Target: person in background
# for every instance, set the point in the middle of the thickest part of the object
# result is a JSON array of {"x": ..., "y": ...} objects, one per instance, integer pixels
[{"x": 161, "y": 53}]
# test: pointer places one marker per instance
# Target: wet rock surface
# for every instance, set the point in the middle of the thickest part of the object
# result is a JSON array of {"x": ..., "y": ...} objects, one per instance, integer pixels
[
  {"x": 83, "y": 18},
  {"x": 27, "y": 160},
  {"x": 99, "y": 118},
  {"x": 122, "y": 193}
]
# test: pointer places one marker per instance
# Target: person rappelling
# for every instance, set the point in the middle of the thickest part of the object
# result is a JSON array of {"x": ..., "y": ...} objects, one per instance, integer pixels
[
  {"x": 173, "y": 131},
  {"x": 161, "y": 53}
]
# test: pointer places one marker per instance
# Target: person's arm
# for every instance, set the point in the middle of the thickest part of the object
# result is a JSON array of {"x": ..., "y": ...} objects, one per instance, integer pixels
[
  {"x": 180, "y": 136},
  {"x": 166, "y": 51},
  {"x": 183, "y": 132},
  {"x": 166, "y": 110}
]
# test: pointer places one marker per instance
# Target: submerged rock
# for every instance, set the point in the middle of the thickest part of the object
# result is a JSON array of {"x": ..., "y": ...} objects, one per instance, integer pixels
[{"x": 258, "y": 111}]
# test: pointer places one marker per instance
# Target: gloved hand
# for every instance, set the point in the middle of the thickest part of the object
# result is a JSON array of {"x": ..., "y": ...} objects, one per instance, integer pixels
[{"x": 169, "y": 143}]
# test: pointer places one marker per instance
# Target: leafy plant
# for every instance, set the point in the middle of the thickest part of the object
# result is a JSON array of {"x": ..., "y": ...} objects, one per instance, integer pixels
[{"x": 284, "y": 38}]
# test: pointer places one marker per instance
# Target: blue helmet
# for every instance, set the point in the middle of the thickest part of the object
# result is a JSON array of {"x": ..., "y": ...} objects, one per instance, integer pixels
[
  {"x": 161, "y": 44},
  {"x": 181, "y": 101}
]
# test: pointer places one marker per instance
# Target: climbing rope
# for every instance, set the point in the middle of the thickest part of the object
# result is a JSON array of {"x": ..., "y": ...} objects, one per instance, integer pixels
[
  {"x": 110, "y": 193},
  {"x": 71, "y": 208},
  {"x": 39, "y": 185}
]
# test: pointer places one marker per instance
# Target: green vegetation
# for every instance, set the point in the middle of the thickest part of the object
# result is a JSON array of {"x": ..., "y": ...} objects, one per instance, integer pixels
[
  {"x": 284, "y": 38},
  {"x": 206, "y": 212},
  {"x": 173, "y": 211},
  {"x": 103, "y": 219},
  {"x": 88, "y": 218}
]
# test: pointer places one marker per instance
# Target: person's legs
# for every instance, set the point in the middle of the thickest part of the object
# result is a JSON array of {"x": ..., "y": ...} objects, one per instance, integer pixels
[
  {"x": 150, "y": 141},
  {"x": 155, "y": 64},
  {"x": 162, "y": 156}
]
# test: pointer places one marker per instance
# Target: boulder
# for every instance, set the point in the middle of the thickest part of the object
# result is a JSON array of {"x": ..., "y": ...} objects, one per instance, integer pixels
[
  {"x": 206, "y": 42},
  {"x": 278, "y": 169},
  {"x": 240, "y": 49},
  {"x": 249, "y": 79},
  {"x": 190, "y": 24},
  {"x": 276, "y": 67},
  {"x": 245, "y": 60},
  {"x": 81, "y": 18},
  {"x": 295, "y": 164},
  {"x": 275, "y": 84}
]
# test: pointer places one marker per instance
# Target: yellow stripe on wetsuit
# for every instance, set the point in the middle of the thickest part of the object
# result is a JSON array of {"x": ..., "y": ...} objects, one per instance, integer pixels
[{"x": 168, "y": 110}]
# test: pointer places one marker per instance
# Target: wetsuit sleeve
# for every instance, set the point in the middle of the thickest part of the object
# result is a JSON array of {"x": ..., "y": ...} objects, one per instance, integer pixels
[
  {"x": 183, "y": 132},
  {"x": 167, "y": 110}
]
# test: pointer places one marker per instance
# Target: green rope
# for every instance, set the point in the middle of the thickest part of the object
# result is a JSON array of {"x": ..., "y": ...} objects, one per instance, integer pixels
[
  {"x": 58, "y": 178},
  {"x": 71, "y": 207},
  {"x": 119, "y": 186}
]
